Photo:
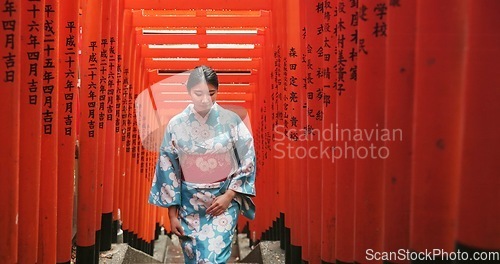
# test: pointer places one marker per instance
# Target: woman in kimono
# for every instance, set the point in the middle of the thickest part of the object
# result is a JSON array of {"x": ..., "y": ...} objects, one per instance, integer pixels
[{"x": 205, "y": 173}]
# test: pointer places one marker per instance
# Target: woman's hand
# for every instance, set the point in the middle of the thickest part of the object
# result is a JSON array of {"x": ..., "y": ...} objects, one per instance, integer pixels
[
  {"x": 175, "y": 224},
  {"x": 221, "y": 203}
]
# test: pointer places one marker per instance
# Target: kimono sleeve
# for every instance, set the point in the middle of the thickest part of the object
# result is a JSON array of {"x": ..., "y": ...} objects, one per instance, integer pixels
[
  {"x": 165, "y": 189},
  {"x": 243, "y": 181}
]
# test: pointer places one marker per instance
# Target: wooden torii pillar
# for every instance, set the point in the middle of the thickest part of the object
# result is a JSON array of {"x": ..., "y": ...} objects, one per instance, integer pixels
[
  {"x": 87, "y": 178},
  {"x": 10, "y": 79}
]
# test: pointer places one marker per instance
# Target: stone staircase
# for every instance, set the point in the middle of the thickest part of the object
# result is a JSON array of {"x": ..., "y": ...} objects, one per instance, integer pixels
[{"x": 168, "y": 250}]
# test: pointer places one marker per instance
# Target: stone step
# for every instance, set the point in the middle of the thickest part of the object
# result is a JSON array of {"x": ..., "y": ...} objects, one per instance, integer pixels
[
  {"x": 265, "y": 252},
  {"x": 124, "y": 254},
  {"x": 243, "y": 245}
]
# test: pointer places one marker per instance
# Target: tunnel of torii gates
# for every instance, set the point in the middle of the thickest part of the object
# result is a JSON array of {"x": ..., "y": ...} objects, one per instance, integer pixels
[{"x": 402, "y": 94}]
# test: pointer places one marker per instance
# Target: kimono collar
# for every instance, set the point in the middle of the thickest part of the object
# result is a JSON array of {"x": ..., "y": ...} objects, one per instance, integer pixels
[{"x": 198, "y": 116}]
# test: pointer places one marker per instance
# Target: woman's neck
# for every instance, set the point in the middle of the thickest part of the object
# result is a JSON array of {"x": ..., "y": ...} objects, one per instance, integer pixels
[{"x": 202, "y": 113}]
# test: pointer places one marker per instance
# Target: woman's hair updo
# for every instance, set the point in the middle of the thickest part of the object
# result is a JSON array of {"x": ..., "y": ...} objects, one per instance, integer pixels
[{"x": 202, "y": 74}]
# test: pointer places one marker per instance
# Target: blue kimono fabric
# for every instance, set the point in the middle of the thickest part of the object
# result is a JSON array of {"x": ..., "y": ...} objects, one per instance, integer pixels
[
  {"x": 205, "y": 150},
  {"x": 207, "y": 238}
]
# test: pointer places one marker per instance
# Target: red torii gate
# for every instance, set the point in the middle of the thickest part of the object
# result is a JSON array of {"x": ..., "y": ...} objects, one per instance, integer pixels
[{"x": 465, "y": 180}]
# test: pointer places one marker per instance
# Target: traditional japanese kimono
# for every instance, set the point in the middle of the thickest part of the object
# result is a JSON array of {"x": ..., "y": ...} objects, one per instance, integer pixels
[{"x": 199, "y": 158}]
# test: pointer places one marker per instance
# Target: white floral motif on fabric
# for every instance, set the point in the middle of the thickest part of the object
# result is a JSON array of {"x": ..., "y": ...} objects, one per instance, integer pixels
[
  {"x": 206, "y": 232},
  {"x": 223, "y": 222},
  {"x": 216, "y": 244}
]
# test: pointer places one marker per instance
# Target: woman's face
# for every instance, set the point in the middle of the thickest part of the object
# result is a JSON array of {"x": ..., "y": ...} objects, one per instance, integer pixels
[{"x": 203, "y": 96}]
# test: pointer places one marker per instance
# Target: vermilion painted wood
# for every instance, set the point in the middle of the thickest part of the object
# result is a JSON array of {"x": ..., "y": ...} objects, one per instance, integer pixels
[
  {"x": 110, "y": 112},
  {"x": 211, "y": 4},
  {"x": 478, "y": 209},
  {"x": 102, "y": 89},
  {"x": 200, "y": 39},
  {"x": 143, "y": 221},
  {"x": 257, "y": 121},
  {"x": 346, "y": 119},
  {"x": 266, "y": 89},
  {"x": 134, "y": 177},
  {"x": 293, "y": 27},
  {"x": 265, "y": 214},
  {"x": 201, "y": 20},
  {"x": 30, "y": 130},
  {"x": 274, "y": 43},
  {"x": 150, "y": 63},
  {"x": 303, "y": 175},
  {"x": 204, "y": 12},
  {"x": 439, "y": 70},
  {"x": 49, "y": 163},
  {"x": 313, "y": 112},
  {"x": 143, "y": 216},
  {"x": 279, "y": 53},
  {"x": 151, "y": 216},
  {"x": 328, "y": 106},
  {"x": 224, "y": 78},
  {"x": 149, "y": 52},
  {"x": 128, "y": 63},
  {"x": 120, "y": 88},
  {"x": 9, "y": 135},
  {"x": 87, "y": 175},
  {"x": 221, "y": 96},
  {"x": 68, "y": 78},
  {"x": 370, "y": 109},
  {"x": 131, "y": 159},
  {"x": 400, "y": 61},
  {"x": 165, "y": 89}
]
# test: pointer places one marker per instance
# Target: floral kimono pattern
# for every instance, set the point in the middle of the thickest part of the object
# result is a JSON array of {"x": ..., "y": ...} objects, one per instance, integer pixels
[{"x": 205, "y": 151}]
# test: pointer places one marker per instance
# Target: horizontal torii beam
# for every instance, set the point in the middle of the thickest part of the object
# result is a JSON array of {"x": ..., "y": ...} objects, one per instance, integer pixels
[
  {"x": 148, "y": 52},
  {"x": 224, "y": 96},
  {"x": 200, "y": 39},
  {"x": 205, "y": 4},
  {"x": 139, "y": 20},
  {"x": 181, "y": 105},
  {"x": 155, "y": 77},
  {"x": 199, "y": 12},
  {"x": 225, "y": 88},
  {"x": 149, "y": 63}
]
